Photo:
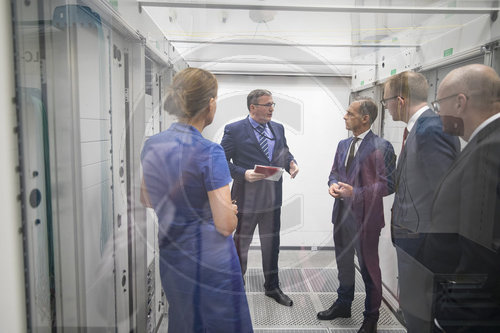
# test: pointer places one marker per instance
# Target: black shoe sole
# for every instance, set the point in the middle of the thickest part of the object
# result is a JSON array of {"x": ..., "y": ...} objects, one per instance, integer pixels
[{"x": 332, "y": 317}]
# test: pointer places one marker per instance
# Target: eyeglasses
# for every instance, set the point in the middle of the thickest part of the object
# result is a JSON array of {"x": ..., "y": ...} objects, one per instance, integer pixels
[
  {"x": 268, "y": 105},
  {"x": 383, "y": 101},
  {"x": 435, "y": 104}
]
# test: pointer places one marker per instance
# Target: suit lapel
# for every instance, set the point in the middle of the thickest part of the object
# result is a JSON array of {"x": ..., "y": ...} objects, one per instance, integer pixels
[
  {"x": 277, "y": 139},
  {"x": 409, "y": 142},
  {"x": 470, "y": 147},
  {"x": 402, "y": 157},
  {"x": 463, "y": 154},
  {"x": 344, "y": 150},
  {"x": 365, "y": 143}
]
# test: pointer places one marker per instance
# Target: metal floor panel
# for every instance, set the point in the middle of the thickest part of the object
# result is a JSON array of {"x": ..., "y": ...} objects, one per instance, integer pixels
[
  {"x": 301, "y": 280},
  {"x": 291, "y": 330},
  {"x": 312, "y": 290},
  {"x": 318, "y": 330},
  {"x": 325, "y": 280},
  {"x": 291, "y": 279},
  {"x": 267, "y": 313},
  {"x": 386, "y": 319}
]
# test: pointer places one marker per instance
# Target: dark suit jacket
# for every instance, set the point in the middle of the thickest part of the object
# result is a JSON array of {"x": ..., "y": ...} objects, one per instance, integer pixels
[
  {"x": 427, "y": 155},
  {"x": 243, "y": 152},
  {"x": 467, "y": 201},
  {"x": 464, "y": 235},
  {"x": 371, "y": 175}
]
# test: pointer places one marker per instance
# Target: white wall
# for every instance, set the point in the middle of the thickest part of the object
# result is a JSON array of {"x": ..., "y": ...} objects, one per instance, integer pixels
[{"x": 311, "y": 109}]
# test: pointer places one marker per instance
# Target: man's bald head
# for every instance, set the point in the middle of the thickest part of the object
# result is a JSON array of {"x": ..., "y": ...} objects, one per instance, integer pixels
[
  {"x": 479, "y": 82},
  {"x": 467, "y": 97}
]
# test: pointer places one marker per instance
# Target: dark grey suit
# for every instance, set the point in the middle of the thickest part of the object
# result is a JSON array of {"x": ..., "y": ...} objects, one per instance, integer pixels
[
  {"x": 465, "y": 231},
  {"x": 427, "y": 155}
]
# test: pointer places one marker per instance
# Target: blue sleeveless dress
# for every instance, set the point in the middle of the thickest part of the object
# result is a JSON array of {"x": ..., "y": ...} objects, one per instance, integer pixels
[{"x": 199, "y": 267}]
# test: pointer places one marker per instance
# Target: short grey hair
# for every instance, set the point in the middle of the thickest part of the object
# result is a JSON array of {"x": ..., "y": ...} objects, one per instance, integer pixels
[
  {"x": 254, "y": 95},
  {"x": 367, "y": 106}
]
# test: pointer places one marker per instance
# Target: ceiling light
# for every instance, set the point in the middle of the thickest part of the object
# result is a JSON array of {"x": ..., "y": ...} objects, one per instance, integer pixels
[{"x": 262, "y": 16}]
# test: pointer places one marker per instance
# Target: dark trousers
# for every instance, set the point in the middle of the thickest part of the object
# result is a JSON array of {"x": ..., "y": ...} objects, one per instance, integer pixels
[
  {"x": 349, "y": 237},
  {"x": 415, "y": 284},
  {"x": 269, "y": 232}
]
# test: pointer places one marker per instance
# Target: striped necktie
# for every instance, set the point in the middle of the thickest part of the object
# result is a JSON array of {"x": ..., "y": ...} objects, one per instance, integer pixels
[{"x": 263, "y": 140}]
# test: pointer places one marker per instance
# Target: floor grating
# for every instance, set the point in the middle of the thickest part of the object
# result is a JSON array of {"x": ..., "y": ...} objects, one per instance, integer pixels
[
  {"x": 292, "y": 280},
  {"x": 312, "y": 290},
  {"x": 291, "y": 330},
  {"x": 266, "y": 312},
  {"x": 325, "y": 280},
  {"x": 321, "y": 330}
]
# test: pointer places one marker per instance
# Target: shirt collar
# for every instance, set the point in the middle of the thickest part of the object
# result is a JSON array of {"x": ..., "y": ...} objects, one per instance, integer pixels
[
  {"x": 362, "y": 135},
  {"x": 484, "y": 124},
  {"x": 256, "y": 124},
  {"x": 185, "y": 128},
  {"x": 416, "y": 115}
]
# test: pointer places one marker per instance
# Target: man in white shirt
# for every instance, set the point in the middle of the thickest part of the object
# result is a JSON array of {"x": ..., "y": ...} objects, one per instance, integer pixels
[
  {"x": 362, "y": 173},
  {"x": 426, "y": 154}
]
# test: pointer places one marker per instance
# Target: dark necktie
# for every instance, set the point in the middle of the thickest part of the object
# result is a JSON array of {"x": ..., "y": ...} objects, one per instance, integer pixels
[
  {"x": 405, "y": 135},
  {"x": 350, "y": 157},
  {"x": 263, "y": 140}
]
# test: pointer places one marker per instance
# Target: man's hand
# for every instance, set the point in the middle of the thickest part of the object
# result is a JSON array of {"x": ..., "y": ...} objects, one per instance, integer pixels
[
  {"x": 294, "y": 169},
  {"x": 252, "y": 176},
  {"x": 345, "y": 190},
  {"x": 234, "y": 207},
  {"x": 334, "y": 190}
]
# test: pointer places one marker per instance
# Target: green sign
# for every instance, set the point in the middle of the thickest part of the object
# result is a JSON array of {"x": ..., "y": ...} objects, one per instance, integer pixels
[
  {"x": 114, "y": 3},
  {"x": 362, "y": 83},
  {"x": 393, "y": 71},
  {"x": 448, "y": 52}
]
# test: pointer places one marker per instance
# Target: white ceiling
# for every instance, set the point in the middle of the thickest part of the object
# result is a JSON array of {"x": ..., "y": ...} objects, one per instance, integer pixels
[{"x": 319, "y": 37}]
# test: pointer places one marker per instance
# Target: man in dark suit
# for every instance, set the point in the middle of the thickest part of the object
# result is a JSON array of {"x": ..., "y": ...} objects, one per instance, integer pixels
[
  {"x": 361, "y": 175},
  {"x": 464, "y": 237},
  {"x": 256, "y": 140},
  {"x": 426, "y": 155}
]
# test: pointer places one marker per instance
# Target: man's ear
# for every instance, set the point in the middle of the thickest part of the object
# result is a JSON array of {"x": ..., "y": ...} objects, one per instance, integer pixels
[
  {"x": 365, "y": 118},
  {"x": 461, "y": 102},
  {"x": 251, "y": 109}
]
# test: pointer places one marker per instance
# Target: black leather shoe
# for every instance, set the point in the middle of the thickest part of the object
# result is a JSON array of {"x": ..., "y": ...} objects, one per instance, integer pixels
[
  {"x": 369, "y": 326},
  {"x": 279, "y": 297},
  {"x": 335, "y": 311}
]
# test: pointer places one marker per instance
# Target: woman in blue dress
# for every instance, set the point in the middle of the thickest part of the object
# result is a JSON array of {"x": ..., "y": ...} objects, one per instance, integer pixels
[{"x": 186, "y": 180}]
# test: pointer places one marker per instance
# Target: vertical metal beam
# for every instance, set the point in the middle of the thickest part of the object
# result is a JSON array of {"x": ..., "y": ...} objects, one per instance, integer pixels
[{"x": 12, "y": 302}]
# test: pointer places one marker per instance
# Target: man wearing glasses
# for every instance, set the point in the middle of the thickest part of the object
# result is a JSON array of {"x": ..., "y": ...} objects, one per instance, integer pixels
[
  {"x": 425, "y": 156},
  {"x": 465, "y": 228},
  {"x": 256, "y": 140}
]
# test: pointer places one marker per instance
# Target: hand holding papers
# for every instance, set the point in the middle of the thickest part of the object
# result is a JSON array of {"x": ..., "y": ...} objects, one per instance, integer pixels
[{"x": 271, "y": 172}]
